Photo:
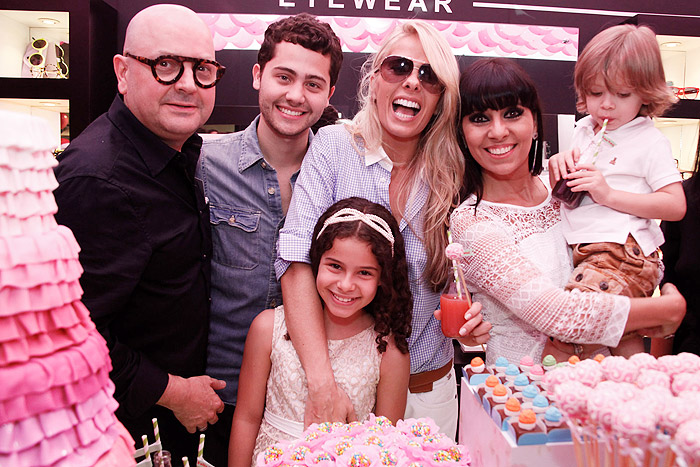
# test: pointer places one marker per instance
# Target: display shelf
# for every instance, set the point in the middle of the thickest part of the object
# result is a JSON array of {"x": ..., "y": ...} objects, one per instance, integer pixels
[{"x": 91, "y": 84}]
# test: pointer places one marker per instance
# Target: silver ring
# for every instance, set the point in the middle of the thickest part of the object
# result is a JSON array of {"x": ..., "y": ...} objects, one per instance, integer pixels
[
  {"x": 670, "y": 336},
  {"x": 202, "y": 429}
]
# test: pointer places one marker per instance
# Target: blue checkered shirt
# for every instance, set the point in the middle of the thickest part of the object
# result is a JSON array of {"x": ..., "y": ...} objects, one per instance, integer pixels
[{"x": 333, "y": 170}]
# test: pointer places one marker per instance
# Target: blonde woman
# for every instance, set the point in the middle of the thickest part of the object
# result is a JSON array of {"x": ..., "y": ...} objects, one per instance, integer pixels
[{"x": 400, "y": 151}]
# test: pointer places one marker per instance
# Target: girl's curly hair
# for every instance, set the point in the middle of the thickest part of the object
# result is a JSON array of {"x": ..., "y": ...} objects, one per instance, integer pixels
[{"x": 392, "y": 306}]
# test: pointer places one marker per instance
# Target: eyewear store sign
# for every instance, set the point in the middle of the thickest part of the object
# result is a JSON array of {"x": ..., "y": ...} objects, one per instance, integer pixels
[
  {"x": 365, "y": 34},
  {"x": 413, "y": 6}
]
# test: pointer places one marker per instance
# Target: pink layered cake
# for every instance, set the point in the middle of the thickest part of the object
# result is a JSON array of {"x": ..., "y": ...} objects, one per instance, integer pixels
[
  {"x": 376, "y": 442},
  {"x": 56, "y": 398}
]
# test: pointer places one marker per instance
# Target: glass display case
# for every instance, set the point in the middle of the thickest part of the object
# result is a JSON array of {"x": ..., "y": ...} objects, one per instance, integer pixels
[
  {"x": 35, "y": 44},
  {"x": 680, "y": 51},
  {"x": 56, "y": 58},
  {"x": 681, "y": 58}
]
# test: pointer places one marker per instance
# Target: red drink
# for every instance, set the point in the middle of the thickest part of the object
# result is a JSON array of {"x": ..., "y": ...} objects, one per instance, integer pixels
[{"x": 453, "y": 309}]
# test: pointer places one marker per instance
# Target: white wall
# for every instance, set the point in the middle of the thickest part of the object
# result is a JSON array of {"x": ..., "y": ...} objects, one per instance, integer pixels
[
  {"x": 684, "y": 142},
  {"x": 14, "y": 38},
  {"x": 565, "y": 125}
]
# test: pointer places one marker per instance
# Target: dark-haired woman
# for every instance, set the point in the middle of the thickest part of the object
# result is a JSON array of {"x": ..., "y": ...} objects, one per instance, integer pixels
[{"x": 519, "y": 260}]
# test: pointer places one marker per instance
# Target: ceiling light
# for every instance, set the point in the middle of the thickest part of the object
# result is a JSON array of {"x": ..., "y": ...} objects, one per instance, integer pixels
[
  {"x": 49, "y": 104},
  {"x": 50, "y": 21},
  {"x": 671, "y": 44}
]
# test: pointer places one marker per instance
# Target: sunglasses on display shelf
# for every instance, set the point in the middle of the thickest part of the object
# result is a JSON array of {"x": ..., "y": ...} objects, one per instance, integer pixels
[
  {"x": 395, "y": 68},
  {"x": 37, "y": 58},
  {"x": 689, "y": 92},
  {"x": 168, "y": 69},
  {"x": 61, "y": 57}
]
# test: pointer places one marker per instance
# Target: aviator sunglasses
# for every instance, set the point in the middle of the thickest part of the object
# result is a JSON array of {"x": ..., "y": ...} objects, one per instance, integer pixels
[{"x": 395, "y": 68}]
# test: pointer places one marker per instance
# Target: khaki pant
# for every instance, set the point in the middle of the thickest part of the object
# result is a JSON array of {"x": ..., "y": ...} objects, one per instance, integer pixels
[{"x": 615, "y": 268}]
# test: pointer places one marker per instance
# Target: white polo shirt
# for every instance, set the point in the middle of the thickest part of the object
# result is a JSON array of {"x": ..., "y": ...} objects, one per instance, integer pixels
[{"x": 636, "y": 158}]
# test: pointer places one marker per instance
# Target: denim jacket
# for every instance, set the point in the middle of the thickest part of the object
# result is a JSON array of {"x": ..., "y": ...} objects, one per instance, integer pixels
[{"x": 246, "y": 215}]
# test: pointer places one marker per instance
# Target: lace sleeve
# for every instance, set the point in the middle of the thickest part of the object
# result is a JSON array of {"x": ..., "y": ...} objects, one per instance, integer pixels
[{"x": 498, "y": 268}]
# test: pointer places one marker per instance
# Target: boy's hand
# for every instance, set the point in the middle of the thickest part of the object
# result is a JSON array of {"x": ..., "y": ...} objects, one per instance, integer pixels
[
  {"x": 588, "y": 178},
  {"x": 562, "y": 163}
]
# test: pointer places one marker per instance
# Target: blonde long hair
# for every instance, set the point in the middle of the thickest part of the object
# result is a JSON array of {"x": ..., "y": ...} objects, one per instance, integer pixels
[{"x": 438, "y": 159}]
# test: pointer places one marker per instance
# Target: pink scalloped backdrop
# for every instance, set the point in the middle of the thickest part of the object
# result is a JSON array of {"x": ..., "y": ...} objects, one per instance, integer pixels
[{"x": 363, "y": 35}]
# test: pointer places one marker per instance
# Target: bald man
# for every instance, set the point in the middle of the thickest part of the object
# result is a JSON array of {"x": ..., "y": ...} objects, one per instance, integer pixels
[{"x": 127, "y": 190}]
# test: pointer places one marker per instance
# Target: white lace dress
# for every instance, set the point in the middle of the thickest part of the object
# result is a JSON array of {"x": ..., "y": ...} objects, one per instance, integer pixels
[
  {"x": 355, "y": 362},
  {"x": 518, "y": 269}
]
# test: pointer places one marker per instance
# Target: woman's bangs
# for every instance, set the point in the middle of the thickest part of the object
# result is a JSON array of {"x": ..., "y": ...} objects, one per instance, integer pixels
[{"x": 497, "y": 92}]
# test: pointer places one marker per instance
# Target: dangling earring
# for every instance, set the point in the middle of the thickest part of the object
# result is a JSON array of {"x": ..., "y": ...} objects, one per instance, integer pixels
[{"x": 533, "y": 153}]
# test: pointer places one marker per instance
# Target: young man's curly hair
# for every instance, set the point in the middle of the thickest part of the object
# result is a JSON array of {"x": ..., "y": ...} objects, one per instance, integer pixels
[
  {"x": 307, "y": 31},
  {"x": 392, "y": 306}
]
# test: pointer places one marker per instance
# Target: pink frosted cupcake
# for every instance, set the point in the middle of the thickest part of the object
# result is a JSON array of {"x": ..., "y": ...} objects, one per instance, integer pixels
[
  {"x": 536, "y": 373},
  {"x": 526, "y": 364}
]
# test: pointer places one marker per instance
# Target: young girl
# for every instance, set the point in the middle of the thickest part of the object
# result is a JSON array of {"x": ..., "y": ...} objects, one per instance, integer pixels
[
  {"x": 358, "y": 259},
  {"x": 625, "y": 166}
]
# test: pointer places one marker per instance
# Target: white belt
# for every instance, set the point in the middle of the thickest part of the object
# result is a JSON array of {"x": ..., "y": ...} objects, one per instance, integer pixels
[{"x": 290, "y": 427}]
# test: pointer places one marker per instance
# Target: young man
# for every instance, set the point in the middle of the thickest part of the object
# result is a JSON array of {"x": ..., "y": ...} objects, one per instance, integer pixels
[
  {"x": 128, "y": 192},
  {"x": 248, "y": 178}
]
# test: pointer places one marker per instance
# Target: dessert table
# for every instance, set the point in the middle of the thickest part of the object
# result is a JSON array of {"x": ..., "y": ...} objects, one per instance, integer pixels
[{"x": 491, "y": 447}]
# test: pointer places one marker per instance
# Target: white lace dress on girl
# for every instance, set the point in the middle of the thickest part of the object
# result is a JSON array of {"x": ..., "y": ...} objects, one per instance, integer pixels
[{"x": 355, "y": 362}]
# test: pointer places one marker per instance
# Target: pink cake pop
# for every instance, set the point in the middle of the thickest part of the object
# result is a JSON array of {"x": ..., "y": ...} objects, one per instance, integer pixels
[
  {"x": 619, "y": 369},
  {"x": 685, "y": 382},
  {"x": 672, "y": 364},
  {"x": 602, "y": 403},
  {"x": 572, "y": 399},
  {"x": 674, "y": 413},
  {"x": 634, "y": 425},
  {"x": 648, "y": 377},
  {"x": 588, "y": 372},
  {"x": 644, "y": 360},
  {"x": 688, "y": 441},
  {"x": 689, "y": 362},
  {"x": 553, "y": 378}
]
